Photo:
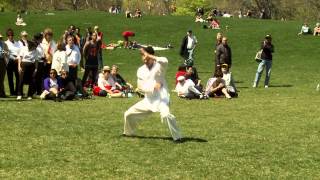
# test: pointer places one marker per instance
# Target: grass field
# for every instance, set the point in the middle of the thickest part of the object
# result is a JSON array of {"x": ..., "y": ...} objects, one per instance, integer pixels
[{"x": 264, "y": 134}]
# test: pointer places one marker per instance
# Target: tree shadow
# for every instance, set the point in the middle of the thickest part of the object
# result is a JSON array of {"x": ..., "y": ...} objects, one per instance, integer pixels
[
  {"x": 282, "y": 85},
  {"x": 185, "y": 139}
]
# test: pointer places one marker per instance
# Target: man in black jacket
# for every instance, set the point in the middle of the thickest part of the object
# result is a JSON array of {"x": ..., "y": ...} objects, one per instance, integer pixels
[
  {"x": 187, "y": 48},
  {"x": 223, "y": 54}
]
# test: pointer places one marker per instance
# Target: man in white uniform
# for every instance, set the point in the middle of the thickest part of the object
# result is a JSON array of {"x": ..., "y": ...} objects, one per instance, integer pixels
[{"x": 151, "y": 80}]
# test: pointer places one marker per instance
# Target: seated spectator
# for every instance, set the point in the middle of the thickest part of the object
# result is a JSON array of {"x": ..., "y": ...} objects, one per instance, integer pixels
[
  {"x": 20, "y": 21},
  {"x": 106, "y": 85},
  {"x": 316, "y": 31},
  {"x": 128, "y": 13},
  {"x": 199, "y": 19},
  {"x": 186, "y": 89},
  {"x": 192, "y": 74},
  {"x": 68, "y": 89},
  {"x": 305, "y": 29},
  {"x": 215, "y": 24},
  {"x": 52, "y": 86},
  {"x": 181, "y": 72},
  {"x": 138, "y": 13},
  {"x": 123, "y": 85},
  {"x": 229, "y": 82},
  {"x": 216, "y": 86}
]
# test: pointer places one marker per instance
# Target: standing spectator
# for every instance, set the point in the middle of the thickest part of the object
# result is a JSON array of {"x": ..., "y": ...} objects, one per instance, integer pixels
[
  {"x": 12, "y": 66},
  {"x": 187, "y": 48},
  {"x": 3, "y": 62},
  {"x": 40, "y": 68},
  {"x": 223, "y": 53},
  {"x": 49, "y": 47},
  {"x": 59, "y": 60},
  {"x": 266, "y": 61},
  {"x": 126, "y": 35},
  {"x": 24, "y": 39},
  {"x": 101, "y": 44},
  {"x": 73, "y": 57},
  {"x": 91, "y": 53},
  {"x": 26, "y": 67}
]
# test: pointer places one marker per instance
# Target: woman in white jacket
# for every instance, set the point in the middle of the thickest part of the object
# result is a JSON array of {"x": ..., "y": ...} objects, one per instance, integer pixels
[{"x": 59, "y": 60}]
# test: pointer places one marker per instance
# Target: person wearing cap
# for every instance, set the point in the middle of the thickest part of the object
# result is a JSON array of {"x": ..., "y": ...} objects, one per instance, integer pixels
[
  {"x": 188, "y": 46},
  {"x": 73, "y": 57},
  {"x": 12, "y": 66},
  {"x": 4, "y": 55},
  {"x": 106, "y": 85},
  {"x": 49, "y": 47},
  {"x": 27, "y": 68},
  {"x": 266, "y": 62},
  {"x": 24, "y": 39},
  {"x": 91, "y": 54},
  {"x": 152, "y": 81},
  {"x": 186, "y": 89},
  {"x": 223, "y": 53}
]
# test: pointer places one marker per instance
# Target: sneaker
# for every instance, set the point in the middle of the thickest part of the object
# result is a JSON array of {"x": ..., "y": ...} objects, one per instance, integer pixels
[
  {"x": 19, "y": 98},
  {"x": 29, "y": 98},
  {"x": 266, "y": 86},
  {"x": 254, "y": 85},
  {"x": 228, "y": 96}
]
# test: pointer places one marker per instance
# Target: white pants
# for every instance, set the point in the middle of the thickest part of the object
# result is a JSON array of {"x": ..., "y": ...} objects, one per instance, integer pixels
[{"x": 141, "y": 109}]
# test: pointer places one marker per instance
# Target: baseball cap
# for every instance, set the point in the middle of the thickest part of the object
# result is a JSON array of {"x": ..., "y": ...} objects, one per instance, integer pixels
[
  {"x": 224, "y": 65},
  {"x": 268, "y": 36},
  {"x": 106, "y": 68},
  {"x": 24, "y": 33},
  {"x": 181, "y": 78}
]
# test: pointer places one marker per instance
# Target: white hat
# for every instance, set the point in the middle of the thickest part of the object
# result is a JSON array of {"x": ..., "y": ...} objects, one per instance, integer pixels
[
  {"x": 106, "y": 68},
  {"x": 181, "y": 78},
  {"x": 24, "y": 33},
  {"x": 1, "y": 35}
]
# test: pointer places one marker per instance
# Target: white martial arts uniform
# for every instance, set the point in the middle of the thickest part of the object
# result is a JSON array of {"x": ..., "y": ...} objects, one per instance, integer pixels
[{"x": 154, "y": 100}]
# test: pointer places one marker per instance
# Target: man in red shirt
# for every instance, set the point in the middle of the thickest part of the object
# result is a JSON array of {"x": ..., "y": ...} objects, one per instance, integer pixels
[{"x": 126, "y": 35}]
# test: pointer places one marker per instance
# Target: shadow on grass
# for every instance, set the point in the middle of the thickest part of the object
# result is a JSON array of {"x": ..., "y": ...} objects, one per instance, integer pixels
[
  {"x": 282, "y": 85},
  {"x": 185, "y": 139}
]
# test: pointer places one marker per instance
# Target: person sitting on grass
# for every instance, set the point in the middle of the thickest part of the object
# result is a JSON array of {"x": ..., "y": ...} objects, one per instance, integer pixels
[
  {"x": 128, "y": 13},
  {"x": 181, "y": 72},
  {"x": 216, "y": 86},
  {"x": 106, "y": 85},
  {"x": 52, "y": 86},
  {"x": 20, "y": 21},
  {"x": 316, "y": 31},
  {"x": 123, "y": 85},
  {"x": 305, "y": 29},
  {"x": 68, "y": 89},
  {"x": 138, "y": 13},
  {"x": 215, "y": 24},
  {"x": 186, "y": 89},
  {"x": 192, "y": 74},
  {"x": 229, "y": 82}
]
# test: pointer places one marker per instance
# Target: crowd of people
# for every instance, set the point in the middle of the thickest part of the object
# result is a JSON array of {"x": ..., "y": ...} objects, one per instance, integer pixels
[
  {"x": 305, "y": 30},
  {"x": 50, "y": 69}
]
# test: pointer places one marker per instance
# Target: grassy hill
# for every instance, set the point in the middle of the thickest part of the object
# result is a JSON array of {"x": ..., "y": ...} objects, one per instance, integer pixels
[{"x": 265, "y": 133}]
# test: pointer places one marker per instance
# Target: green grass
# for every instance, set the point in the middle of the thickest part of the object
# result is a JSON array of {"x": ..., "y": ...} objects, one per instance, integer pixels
[{"x": 264, "y": 134}]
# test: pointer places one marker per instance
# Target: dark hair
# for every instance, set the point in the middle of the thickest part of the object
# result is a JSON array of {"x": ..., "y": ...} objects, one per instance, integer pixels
[
  {"x": 55, "y": 71},
  {"x": 218, "y": 73},
  {"x": 182, "y": 67},
  {"x": 32, "y": 45},
  {"x": 149, "y": 50},
  {"x": 61, "y": 46},
  {"x": 9, "y": 32}
]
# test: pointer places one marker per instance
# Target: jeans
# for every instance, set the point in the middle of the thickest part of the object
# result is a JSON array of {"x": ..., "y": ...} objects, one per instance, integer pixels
[{"x": 268, "y": 65}]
